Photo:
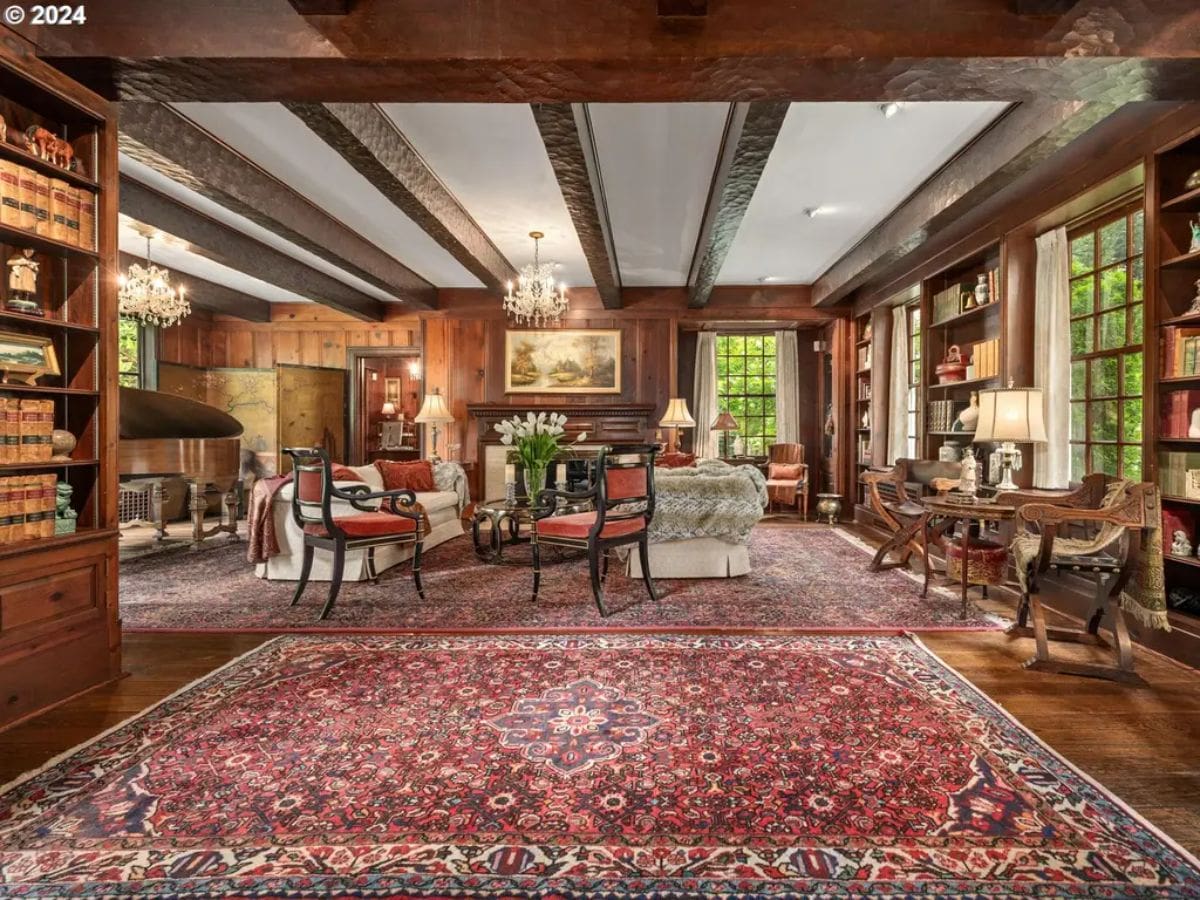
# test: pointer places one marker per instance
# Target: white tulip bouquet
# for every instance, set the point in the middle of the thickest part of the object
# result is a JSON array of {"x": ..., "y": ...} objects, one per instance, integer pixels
[{"x": 537, "y": 439}]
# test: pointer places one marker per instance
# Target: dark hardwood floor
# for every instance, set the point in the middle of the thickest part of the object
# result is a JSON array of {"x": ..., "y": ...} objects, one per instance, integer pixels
[{"x": 1143, "y": 743}]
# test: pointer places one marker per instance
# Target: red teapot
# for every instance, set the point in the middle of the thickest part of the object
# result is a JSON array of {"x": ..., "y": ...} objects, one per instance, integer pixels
[{"x": 953, "y": 367}]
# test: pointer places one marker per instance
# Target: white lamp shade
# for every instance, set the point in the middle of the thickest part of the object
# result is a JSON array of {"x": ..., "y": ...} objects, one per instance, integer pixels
[
  {"x": 677, "y": 415},
  {"x": 434, "y": 409},
  {"x": 389, "y": 408},
  {"x": 1011, "y": 414}
]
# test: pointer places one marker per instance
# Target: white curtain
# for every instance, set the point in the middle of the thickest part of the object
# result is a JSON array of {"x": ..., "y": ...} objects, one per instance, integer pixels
[
  {"x": 704, "y": 390},
  {"x": 897, "y": 446},
  {"x": 1052, "y": 358},
  {"x": 787, "y": 387}
]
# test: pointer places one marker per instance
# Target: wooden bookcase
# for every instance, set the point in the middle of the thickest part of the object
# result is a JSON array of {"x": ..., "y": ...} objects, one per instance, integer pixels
[
  {"x": 863, "y": 410},
  {"x": 59, "y": 628},
  {"x": 967, "y": 326},
  {"x": 1173, "y": 269}
]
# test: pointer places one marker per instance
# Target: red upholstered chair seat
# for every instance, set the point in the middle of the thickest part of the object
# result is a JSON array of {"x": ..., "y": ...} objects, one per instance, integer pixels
[
  {"x": 372, "y": 524},
  {"x": 579, "y": 524}
]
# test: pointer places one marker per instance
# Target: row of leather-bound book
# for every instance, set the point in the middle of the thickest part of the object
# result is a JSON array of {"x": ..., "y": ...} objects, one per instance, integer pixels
[
  {"x": 46, "y": 206},
  {"x": 27, "y": 505},
  {"x": 26, "y": 430}
]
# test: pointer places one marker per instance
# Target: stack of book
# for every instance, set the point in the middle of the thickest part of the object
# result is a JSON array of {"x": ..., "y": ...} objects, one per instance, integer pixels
[
  {"x": 27, "y": 505},
  {"x": 46, "y": 206},
  {"x": 1180, "y": 351},
  {"x": 1173, "y": 468},
  {"x": 1177, "y": 408},
  {"x": 864, "y": 390},
  {"x": 947, "y": 303},
  {"x": 942, "y": 414},
  {"x": 26, "y": 430},
  {"x": 986, "y": 358}
]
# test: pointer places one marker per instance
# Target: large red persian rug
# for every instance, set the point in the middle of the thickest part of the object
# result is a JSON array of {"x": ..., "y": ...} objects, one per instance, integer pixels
[
  {"x": 619, "y": 765},
  {"x": 803, "y": 578}
]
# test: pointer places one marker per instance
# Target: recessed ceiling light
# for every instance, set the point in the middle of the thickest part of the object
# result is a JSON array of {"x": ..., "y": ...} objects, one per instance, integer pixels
[
  {"x": 767, "y": 279},
  {"x": 889, "y": 109},
  {"x": 813, "y": 211}
]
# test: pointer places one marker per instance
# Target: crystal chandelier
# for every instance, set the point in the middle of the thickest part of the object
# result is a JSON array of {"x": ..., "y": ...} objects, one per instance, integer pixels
[
  {"x": 146, "y": 295},
  {"x": 539, "y": 300}
]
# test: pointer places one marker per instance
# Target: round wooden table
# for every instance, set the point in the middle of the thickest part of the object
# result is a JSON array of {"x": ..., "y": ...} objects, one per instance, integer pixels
[{"x": 965, "y": 512}]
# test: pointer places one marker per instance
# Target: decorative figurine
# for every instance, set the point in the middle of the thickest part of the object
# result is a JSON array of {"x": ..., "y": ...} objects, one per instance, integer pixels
[
  {"x": 866, "y": 419},
  {"x": 1180, "y": 546},
  {"x": 968, "y": 481},
  {"x": 64, "y": 516},
  {"x": 1193, "y": 181},
  {"x": 22, "y": 283},
  {"x": 969, "y": 417},
  {"x": 62, "y": 442},
  {"x": 1195, "y": 245},
  {"x": 1195, "y": 307},
  {"x": 983, "y": 296}
]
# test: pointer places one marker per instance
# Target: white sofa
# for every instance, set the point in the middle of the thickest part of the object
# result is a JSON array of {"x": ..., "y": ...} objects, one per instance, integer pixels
[{"x": 443, "y": 506}]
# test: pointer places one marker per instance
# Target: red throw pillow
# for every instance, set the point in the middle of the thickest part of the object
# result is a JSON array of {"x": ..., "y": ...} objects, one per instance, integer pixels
[
  {"x": 785, "y": 471},
  {"x": 406, "y": 476},
  {"x": 343, "y": 473}
]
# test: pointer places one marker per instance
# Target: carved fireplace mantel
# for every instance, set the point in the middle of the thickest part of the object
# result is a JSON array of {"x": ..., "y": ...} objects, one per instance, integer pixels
[{"x": 604, "y": 423}]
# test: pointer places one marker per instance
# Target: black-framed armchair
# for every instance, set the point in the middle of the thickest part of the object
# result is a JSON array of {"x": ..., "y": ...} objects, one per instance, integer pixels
[
  {"x": 623, "y": 495},
  {"x": 1118, "y": 518},
  {"x": 395, "y": 520}
]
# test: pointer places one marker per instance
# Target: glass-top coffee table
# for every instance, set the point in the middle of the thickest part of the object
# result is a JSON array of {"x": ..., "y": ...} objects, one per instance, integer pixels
[{"x": 507, "y": 520}]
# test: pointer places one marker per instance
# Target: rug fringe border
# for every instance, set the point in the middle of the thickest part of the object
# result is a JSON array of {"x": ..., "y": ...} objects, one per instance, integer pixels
[
  {"x": 1187, "y": 855},
  {"x": 142, "y": 713}
]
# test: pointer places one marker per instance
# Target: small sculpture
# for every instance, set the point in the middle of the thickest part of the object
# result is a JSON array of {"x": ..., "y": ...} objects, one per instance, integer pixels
[
  {"x": 1195, "y": 245},
  {"x": 1193, "y": 181},
  {"x": 46, "y": 145},
  {"x": 62, "y": 443},
  {"x": 22, "y": 283},
  {"x": 1180, "y": 546},
  {"x": 968, "y": 480},
  {"x": 1195, "y": 307},
  {"x": 64, "y": 516},
  {"x": 969, "y": 417}
]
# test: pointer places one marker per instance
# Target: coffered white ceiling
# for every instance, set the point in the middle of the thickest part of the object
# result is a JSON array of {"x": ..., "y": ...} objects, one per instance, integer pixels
[{"x": 656, "y": 164}]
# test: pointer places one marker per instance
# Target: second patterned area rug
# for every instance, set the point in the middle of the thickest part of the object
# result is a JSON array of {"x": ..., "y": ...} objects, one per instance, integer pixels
[
  {"x": 617, "y": 765},
  {"x": 803, "y": 578}
]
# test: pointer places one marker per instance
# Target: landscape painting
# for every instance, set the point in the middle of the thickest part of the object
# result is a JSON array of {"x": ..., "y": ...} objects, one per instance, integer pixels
[{"x": 562, "y": 362}]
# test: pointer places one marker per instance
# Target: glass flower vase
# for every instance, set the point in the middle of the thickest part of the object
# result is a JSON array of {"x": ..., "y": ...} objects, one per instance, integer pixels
[{"x": 535, "y": 481}]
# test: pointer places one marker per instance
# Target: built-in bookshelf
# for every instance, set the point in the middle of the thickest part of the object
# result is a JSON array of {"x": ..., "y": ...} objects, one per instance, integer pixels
[
  {"x": 961, "y": 311},
  {"x": 1173, "y": 270},
  {"x": 863, "y": 386},
  {"x": 60, "y": 633}
]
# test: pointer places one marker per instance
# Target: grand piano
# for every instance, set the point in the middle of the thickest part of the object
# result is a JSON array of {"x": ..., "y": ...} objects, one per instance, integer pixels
[{"x": 164, "y": 436}]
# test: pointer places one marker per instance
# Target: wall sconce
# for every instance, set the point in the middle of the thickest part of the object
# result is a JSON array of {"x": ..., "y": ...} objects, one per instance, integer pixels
[{"x": 414, "y": 368}]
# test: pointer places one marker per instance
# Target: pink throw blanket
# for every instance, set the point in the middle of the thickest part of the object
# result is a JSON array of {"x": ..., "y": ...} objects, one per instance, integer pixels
[{"x": 261, "y": 542}]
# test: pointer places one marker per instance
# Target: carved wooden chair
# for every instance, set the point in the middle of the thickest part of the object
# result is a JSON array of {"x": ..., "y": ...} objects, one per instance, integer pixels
[
  {"x": 623, "y": 495},
  {"x": 782, "y": 459},
  {"x": 887, "y": 495},
  {"x": 396, "y": 521},
  {"x": 1124, "y": 513}
]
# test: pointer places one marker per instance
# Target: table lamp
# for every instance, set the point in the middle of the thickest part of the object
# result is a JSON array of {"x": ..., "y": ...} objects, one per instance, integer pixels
[
  {"x": 676, "y": 417},
  {"x": 388, "y": 410},
  {"x": 1010, "y": 416},
  {"x": 724, "y": 423},
  {"x": 434, "y": 412}
]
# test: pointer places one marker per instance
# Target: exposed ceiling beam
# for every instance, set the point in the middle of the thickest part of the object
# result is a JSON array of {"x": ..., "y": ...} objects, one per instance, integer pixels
[
  {"x": 370, "y": 142},
  {"x": 322, "y": 7},
  {"x": 177, "y": 148},
  {"x": 218, "y": 242},
  {"x": 624, "y": 51},
  {"x": 1025, "y": 136},
  {"x": 750, "y": 133},
  {"x": 212, "y": 296},
  {"x": 567, "y": 134}
]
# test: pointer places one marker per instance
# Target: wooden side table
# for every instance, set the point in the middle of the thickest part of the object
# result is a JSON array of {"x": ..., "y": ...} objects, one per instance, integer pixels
[{"x": 964, "y": 513}]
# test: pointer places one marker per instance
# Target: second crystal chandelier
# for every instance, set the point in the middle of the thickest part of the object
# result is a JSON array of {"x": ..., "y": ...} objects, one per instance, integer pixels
[{"x": 538, "y": 299}]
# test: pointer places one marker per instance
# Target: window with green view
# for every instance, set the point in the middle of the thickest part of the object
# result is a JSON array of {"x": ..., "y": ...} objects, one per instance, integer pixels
[
  {"x": 746, "y": 386},
  {"x": 1107, "y": 365}
]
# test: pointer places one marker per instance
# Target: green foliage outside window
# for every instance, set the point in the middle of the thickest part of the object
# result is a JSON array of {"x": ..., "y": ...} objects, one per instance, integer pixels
[
  {"x": 1107, "y": 363},
  {"x": 746, "y": 387},
  {"x": 129, "y": 356}
]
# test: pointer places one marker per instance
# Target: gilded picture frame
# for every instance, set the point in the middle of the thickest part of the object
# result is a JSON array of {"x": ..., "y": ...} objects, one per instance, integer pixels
[
  {"x": 584, "y": 361},
  {"x": 26, "y": 356}
]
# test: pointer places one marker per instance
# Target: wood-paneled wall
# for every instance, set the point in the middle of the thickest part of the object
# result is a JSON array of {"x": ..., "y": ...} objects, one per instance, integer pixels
[{"x": 462, "y": 342}]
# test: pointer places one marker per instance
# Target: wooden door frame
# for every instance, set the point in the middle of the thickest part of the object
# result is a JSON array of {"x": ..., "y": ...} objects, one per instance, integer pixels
[{"x": 355, "y": 358}]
